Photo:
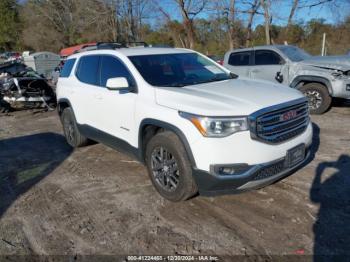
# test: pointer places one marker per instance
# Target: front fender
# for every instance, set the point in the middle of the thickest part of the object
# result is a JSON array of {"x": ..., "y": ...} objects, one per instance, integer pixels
[{"x": 316, "y": 79}]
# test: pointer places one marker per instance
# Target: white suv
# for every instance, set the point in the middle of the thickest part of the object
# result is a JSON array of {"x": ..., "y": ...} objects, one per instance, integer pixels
[{"x": 194, "y": 125}]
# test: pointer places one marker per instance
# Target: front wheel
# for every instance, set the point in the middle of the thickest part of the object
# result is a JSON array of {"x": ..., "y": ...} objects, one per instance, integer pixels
[
  {"x": 169, "y": 167},
  {"x": 318, "y": 96}
]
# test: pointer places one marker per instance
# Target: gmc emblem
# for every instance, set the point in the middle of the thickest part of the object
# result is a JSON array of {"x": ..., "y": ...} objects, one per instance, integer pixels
[{"x": 288, "y": 115}]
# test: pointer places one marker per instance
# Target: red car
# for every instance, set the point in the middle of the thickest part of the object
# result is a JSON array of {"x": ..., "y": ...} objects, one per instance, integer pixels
[{"x": 74, "y": 49}]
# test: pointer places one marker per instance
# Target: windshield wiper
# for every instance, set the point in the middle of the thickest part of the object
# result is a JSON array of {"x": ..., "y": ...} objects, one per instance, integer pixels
[
  {"x": 217, "y": 78},
  {"x": 176, "y": 85},
  {"x": 233, "y": 76},
  {"x": 214, "y": 79}
]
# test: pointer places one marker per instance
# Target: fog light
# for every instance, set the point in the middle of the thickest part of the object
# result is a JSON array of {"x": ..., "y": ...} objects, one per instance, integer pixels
[{"x": 228, "y": 170}]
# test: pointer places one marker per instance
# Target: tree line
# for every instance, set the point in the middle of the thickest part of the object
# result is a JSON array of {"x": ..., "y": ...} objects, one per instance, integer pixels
[{"x": 210, "y": 26}]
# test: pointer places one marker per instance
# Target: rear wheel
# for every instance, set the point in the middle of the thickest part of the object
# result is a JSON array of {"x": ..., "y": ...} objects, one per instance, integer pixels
[
  {"x": 318, "y": 96},
  {"x": 169, "y": 167},
  {"x": 71, "y": 131}
]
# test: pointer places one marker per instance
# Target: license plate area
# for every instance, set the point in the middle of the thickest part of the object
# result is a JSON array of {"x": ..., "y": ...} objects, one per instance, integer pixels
[{"x": 295, "y": 155}]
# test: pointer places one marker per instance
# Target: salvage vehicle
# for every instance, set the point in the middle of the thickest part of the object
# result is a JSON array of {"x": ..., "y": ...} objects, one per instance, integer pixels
[
  {"x": 11, "y": 56},
  {"x": 188, "y": 119},
  {"x": 21, "y": 87},
  {"x": 319, "y": 78},
  {"x": 218, "y": 59}
]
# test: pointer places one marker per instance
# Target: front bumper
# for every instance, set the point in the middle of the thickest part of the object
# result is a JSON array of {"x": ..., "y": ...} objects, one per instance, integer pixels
[
  {"x": 341, "y": 88},
  {"x": 257, "y": 176}
]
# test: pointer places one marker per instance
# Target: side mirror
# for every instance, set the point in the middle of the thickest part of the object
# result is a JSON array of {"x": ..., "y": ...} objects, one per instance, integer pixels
[
  {"x": 117, "y": 83},
  {"x": 279, "y": 77}
]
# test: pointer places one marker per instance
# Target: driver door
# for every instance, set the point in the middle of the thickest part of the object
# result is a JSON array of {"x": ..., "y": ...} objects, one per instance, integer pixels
[
  {"x": 118, "y": 106},
  {"x": 267, "y": 65}
]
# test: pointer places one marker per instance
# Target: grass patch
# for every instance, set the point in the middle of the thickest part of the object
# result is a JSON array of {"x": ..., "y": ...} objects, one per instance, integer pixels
[{"x": 31, "y": 173}]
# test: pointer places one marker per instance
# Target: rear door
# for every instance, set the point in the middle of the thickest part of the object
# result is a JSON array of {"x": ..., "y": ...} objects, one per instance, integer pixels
[
  {"x": 267, "y": 64},
  {"x": 88, "y": 91},
  {"x": 239, "y": 63}
]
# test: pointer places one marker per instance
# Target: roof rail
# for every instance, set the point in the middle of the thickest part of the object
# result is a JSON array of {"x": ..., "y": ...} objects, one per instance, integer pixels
[
  {"x": 109, "y": 45},
  {"x": 112, "y": 46},
  {"x": 136, "y": 44},
  {"x": 115, "y": 45}
]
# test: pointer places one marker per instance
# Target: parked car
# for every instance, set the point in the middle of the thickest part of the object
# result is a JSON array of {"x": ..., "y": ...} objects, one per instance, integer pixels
[
  {"x": 11, "y": 56},
  {"x": 194, "y": 125},
  {"x": 319, "y": 78},
  {"x": 65, "y": 52},
  {"x": 218, "y": 59},
  {"x": 21, "y": 87}
]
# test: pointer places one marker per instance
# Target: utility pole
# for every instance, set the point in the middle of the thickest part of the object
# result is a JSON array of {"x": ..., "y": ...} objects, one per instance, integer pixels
[{"x": 323, "y": 45}]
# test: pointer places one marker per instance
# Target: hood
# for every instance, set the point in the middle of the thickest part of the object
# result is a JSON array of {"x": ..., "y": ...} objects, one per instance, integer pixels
[
  {"x": 329, "y": 62},
  {"x": 225, "y": 98}
]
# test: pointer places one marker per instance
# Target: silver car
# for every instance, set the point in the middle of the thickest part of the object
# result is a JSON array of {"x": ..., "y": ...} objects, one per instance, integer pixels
[{"x": 319, "y": 78}]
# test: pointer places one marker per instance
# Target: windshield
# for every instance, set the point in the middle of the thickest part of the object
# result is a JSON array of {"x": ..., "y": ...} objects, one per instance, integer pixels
[
  {"x": 294, "y": 53},
  {"x": 178, "y": 69}
]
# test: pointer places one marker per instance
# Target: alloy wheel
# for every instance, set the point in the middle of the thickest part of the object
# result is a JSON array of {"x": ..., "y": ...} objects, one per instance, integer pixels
[
  {"x": 69, "y": 130},
  {"x": 315, "y": 99},
  {"x": 165, "y": 169}
]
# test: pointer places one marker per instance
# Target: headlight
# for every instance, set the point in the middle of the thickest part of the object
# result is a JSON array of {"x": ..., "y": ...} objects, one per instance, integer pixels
[{"x": 217, "y": 126}]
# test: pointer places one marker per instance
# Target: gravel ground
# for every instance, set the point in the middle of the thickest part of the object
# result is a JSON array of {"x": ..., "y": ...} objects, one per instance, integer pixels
[{"x": 94, "y": 200}]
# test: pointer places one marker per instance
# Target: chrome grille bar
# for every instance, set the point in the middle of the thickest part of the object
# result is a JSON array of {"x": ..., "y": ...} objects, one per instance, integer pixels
[{"x": 280, "y": 123}]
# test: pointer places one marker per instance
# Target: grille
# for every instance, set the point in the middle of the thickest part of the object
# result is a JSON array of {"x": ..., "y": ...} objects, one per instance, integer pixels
[
  {"x": 270, "y": 170},
  {"x": 280, "y": 123}
]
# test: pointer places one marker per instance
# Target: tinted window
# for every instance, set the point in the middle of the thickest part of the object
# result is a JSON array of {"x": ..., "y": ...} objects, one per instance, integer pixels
[
  {"x": 88, "y": 69},
  {"x": 111, "y": 67},
  {"x": 178, "y": 70},
  {"x": 239, "y": 59},
  {"x": 266, "y": 57},
  {"x": 67, "y": 68}
]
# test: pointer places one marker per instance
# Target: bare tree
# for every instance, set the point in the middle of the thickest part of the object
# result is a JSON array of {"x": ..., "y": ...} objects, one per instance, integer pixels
[
  {"x": 173, "y": 29},
  {"x": 64, "y": 21},
  {"x": 189, "y": 10},
  {"x": 226, "y": 11},
  {"x": 231, "y": 24},
  {"x": 292, "y": 12},
  {"x": 252, "y": 11},
  {"x": 298, "y": 4},
  {"x": 311, "y": 3},
  {"x": 266, "y": 6}
]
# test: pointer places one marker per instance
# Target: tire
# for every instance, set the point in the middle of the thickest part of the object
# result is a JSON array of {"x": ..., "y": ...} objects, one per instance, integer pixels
[
  {"x": 71, "y": 132},
  {"x": 160, "y": 167},
  {"x": 5, "y": 107},
  {"x": 319, "y": 98}
]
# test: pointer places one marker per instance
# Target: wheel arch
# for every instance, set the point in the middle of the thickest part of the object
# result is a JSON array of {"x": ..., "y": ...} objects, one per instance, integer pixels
[
  {"x": 149, "y": 127},
  {"x": 63, "y": 103},
  {"x": 305, "y": 79}
]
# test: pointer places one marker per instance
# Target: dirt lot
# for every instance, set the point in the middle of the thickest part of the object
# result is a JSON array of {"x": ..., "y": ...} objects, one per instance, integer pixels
[{"x": 94, "y": 200}]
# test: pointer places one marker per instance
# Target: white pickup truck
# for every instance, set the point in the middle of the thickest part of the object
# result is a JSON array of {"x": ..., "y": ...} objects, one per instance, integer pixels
[
  {"x": 192, "y": 122},
  {"x": 319, "y": 78}
]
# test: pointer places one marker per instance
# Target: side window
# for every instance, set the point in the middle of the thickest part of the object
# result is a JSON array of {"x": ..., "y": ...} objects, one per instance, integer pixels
[
  {"x": 266, "y": 57},
  {"x": 111, "y": 67},
  {"x": 239, "y": 59},
  {"x": 87, "y": 71},
  {"x": 67, "y": 68}
]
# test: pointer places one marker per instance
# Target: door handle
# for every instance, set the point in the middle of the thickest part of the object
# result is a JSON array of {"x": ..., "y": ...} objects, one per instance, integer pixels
[{"x": 255, "y": 71}]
